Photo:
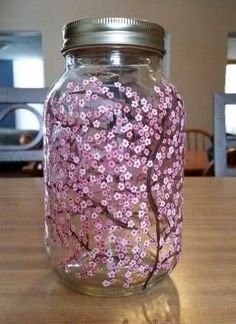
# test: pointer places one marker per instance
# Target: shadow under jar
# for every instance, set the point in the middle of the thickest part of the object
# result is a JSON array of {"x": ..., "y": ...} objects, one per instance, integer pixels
[{"x": 114, "y": 151}]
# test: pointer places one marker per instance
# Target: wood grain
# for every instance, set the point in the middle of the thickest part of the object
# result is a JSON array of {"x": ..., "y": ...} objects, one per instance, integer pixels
[{"x": 202, "y": 288}]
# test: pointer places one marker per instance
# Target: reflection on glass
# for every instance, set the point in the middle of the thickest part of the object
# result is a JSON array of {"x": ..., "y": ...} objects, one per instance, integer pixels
[{"x": 159, "y": 305}]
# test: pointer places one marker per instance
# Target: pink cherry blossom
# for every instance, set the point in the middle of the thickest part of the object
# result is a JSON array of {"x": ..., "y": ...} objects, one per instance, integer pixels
[{"x": 114, "y": 173}]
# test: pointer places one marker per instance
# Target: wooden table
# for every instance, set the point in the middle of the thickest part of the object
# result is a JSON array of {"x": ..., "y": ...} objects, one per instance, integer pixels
[
  {"x": 195, "y": 162},
  {"x": 201, "y": 289}
]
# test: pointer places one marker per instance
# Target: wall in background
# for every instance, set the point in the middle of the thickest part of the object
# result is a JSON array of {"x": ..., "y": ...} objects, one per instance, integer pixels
[{"x": 198, "y": 29}]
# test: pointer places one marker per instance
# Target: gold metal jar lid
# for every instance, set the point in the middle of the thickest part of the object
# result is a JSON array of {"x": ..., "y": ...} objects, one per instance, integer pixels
[{"x": 113, "y": 31}]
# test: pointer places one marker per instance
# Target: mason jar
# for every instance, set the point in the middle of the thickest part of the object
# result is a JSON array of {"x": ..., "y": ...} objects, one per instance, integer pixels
[{"x": 114, "y": 154}]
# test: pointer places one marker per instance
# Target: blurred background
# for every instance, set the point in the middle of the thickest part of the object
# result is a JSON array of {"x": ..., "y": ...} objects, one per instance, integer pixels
[{"x": 201, "y": 45}]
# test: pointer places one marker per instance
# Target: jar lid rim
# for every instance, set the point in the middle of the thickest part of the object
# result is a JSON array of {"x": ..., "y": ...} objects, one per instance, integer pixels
[{"x": 113, "y": 31}]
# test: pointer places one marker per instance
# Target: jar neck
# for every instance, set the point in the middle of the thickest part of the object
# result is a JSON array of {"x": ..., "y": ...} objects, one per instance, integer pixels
[{"x": 113, "y": 57}]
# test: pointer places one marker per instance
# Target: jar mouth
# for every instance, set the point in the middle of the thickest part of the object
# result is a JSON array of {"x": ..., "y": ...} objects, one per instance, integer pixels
[{"x": 112, "y": 31}]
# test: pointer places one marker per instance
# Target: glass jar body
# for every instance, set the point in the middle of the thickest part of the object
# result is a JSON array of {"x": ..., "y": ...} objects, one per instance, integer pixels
[{"x": 114, "y": 146}]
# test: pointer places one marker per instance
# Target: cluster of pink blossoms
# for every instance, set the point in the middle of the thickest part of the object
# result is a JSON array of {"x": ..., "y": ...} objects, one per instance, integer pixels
[{"x": 114, "y": 177}]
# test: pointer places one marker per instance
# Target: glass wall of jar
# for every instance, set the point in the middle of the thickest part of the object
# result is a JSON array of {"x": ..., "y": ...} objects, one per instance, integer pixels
[{"x": 114, "y": 145}]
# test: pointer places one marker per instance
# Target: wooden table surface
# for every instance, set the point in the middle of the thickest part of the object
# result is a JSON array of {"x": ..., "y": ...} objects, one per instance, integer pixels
[
  {"x": 201, "y": 289},
  {"x": 196, "y": 160}
]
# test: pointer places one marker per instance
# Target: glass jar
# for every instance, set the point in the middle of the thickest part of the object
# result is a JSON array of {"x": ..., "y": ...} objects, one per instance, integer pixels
[{"x": 114, "y": 152}]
